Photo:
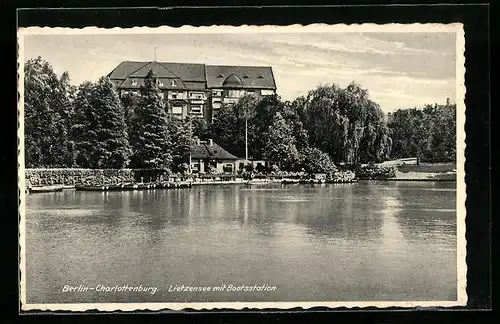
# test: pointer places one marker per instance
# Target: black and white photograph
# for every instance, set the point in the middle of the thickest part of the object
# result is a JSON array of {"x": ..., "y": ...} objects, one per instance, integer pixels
[{"x": 242, "y": 167}]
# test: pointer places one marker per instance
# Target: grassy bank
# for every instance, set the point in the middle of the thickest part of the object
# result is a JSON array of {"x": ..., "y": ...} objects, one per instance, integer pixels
[{"x": 427, "y": 172}]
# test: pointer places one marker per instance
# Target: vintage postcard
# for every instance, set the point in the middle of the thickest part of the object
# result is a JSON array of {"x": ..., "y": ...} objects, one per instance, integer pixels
[{"x": 260, "y": 167}]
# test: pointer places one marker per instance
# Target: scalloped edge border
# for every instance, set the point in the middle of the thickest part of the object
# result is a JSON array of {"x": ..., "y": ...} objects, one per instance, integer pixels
[{"x": 297, "y": 28}]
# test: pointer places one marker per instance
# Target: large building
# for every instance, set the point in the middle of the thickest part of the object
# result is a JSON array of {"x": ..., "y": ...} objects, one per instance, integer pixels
[{"x": 198, "y": 90}]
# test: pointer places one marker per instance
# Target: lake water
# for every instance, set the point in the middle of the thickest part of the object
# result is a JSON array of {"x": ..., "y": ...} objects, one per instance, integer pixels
[{"x": 370, "y": 241}]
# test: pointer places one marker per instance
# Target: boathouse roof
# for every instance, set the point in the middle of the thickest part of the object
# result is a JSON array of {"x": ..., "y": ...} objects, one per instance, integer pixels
[{"x": 210, "y": 150}]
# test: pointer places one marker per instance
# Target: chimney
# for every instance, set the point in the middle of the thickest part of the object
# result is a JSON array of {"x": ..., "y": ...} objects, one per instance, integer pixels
[
  {"x": 197, "y": 141},
  {"x": 210, "y": 142},
  {"x": 447, "y": 101}
]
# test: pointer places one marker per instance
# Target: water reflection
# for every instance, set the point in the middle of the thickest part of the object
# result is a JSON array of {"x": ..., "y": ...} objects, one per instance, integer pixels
[{"x": 365, "y": 241}]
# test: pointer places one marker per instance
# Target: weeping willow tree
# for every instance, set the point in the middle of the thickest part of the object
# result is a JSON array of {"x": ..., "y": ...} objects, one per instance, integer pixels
[{"x": 346, "y": 124}]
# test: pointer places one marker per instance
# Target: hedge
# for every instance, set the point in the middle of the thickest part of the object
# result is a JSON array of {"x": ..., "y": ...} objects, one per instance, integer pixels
[{"x": 45, "y": 177}]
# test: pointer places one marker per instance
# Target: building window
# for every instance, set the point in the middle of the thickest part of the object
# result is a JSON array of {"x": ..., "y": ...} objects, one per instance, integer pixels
[
  {"x": 174, "y": 95},
  {"x": 173, "y": 83},
  {"x": 160, "y": 83},
  {"x": 234, "y": 93},
  {"x": 134, "y": 82},
  {"x": 267, "y": 92},
  {"x": 177, "y": 110}
]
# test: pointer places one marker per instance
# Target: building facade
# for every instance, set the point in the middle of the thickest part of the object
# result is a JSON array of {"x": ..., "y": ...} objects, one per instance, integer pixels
[{"x": 198, "y": 90}]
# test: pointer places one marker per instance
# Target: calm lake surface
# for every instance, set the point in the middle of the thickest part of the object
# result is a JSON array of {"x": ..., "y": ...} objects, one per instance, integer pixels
[{"x": 371, "y": 241}]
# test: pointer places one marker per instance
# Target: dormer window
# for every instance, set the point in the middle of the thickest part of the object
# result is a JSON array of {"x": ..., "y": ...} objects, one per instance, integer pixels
[
  {"x": 220, "y": 76},
  {"x": 261, "y": 76},
  {"x": 173, "y": 83},
  {"x": 160, "y": 83},
  {"x": 245, "y": 76},
  {"x": 134, "y": 82}
]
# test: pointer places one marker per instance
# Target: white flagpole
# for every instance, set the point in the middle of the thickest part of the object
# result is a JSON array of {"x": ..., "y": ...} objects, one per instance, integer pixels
[{"x": 190, "y": 142}]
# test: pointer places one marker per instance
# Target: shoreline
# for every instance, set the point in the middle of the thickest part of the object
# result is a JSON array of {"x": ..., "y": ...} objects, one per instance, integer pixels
[
  {"x": 99, "y": 188},
  {"x": 51, "y": 180}
]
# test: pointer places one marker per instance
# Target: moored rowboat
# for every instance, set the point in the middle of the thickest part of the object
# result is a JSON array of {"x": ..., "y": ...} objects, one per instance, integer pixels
[
  {"x": 45, "y": 189},
  {"x": 91, "y": 188}
]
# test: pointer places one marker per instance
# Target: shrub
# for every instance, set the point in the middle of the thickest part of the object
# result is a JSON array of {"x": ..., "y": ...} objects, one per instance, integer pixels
[{"x": 375, "y": 172}]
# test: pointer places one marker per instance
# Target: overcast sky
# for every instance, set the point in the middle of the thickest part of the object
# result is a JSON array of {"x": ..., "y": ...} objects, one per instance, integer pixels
[{"x": 400, "y": 70}]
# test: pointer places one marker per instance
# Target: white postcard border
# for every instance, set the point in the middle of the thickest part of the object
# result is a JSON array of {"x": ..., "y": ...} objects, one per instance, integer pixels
[{"x": 338, "y": 28}]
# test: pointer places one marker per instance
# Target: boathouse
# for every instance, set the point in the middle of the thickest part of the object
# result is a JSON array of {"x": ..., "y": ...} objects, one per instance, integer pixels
[{"x": 209, "y": 157}]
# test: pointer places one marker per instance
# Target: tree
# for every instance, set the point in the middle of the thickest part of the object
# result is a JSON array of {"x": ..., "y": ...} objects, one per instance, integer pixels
[
  {"x": 293, "y": 113},
  {"x": 180, "y": 132},
  {"x": 342, "y": 121},
  {"x": 151, "y": 142},
  {"x": 228, "y": 129},
  {"x": 428, "y": 133},
  {"x": 48, "y": 109},
  {"x": 261, "y": 117},
  {"x": 279, "y": 143},
  {"x": 199, "y": 127},
  {"x": 86, "y": 125},
  {"x": 99, "y": 131},
  {"x": 375, "y": 144},
  {"x": 317, "y": 161},
  {"x": 113, "y": 131},
  {"x": 130, "y": 103}
]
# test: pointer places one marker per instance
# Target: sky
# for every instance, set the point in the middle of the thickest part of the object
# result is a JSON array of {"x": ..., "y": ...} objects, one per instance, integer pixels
[{"x": 400, "y": 70}]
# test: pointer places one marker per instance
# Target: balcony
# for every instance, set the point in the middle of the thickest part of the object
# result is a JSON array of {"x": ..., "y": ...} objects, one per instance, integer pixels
[
  {"x": 230, "y": 100},
  {"x": 197, "y": 101}
]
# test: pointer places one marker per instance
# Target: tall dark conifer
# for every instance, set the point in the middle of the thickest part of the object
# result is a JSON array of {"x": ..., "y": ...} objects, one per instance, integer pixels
[
  {"x": 86, "y": 124},
  {"x": 151, "y": 142},
  {"x": 99, "y": 132},
  {"x": 113, "y": 136}
]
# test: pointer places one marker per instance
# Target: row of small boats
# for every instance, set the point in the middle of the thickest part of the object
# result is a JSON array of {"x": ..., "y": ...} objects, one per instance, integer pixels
[
  {"x": 314, "y": 181},
  {"x": 285, "y": 181},
  {"x": 115, "y": 187},
  {"x": 135, "y": 186}
]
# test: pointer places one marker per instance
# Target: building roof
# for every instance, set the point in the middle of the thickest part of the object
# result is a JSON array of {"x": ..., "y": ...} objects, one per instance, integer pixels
[
  {"x": 187, "y": 71},
  {"x": 232, "y": 81},
  {"x": 259, "y": 77},
  {"x": 195, "y": 85},
  {"x": 124, "y": 69},
  {"x": 159, "y": 70},
  {"x": 204, "y": 150},
  {"x": 197, "y": 76}
]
